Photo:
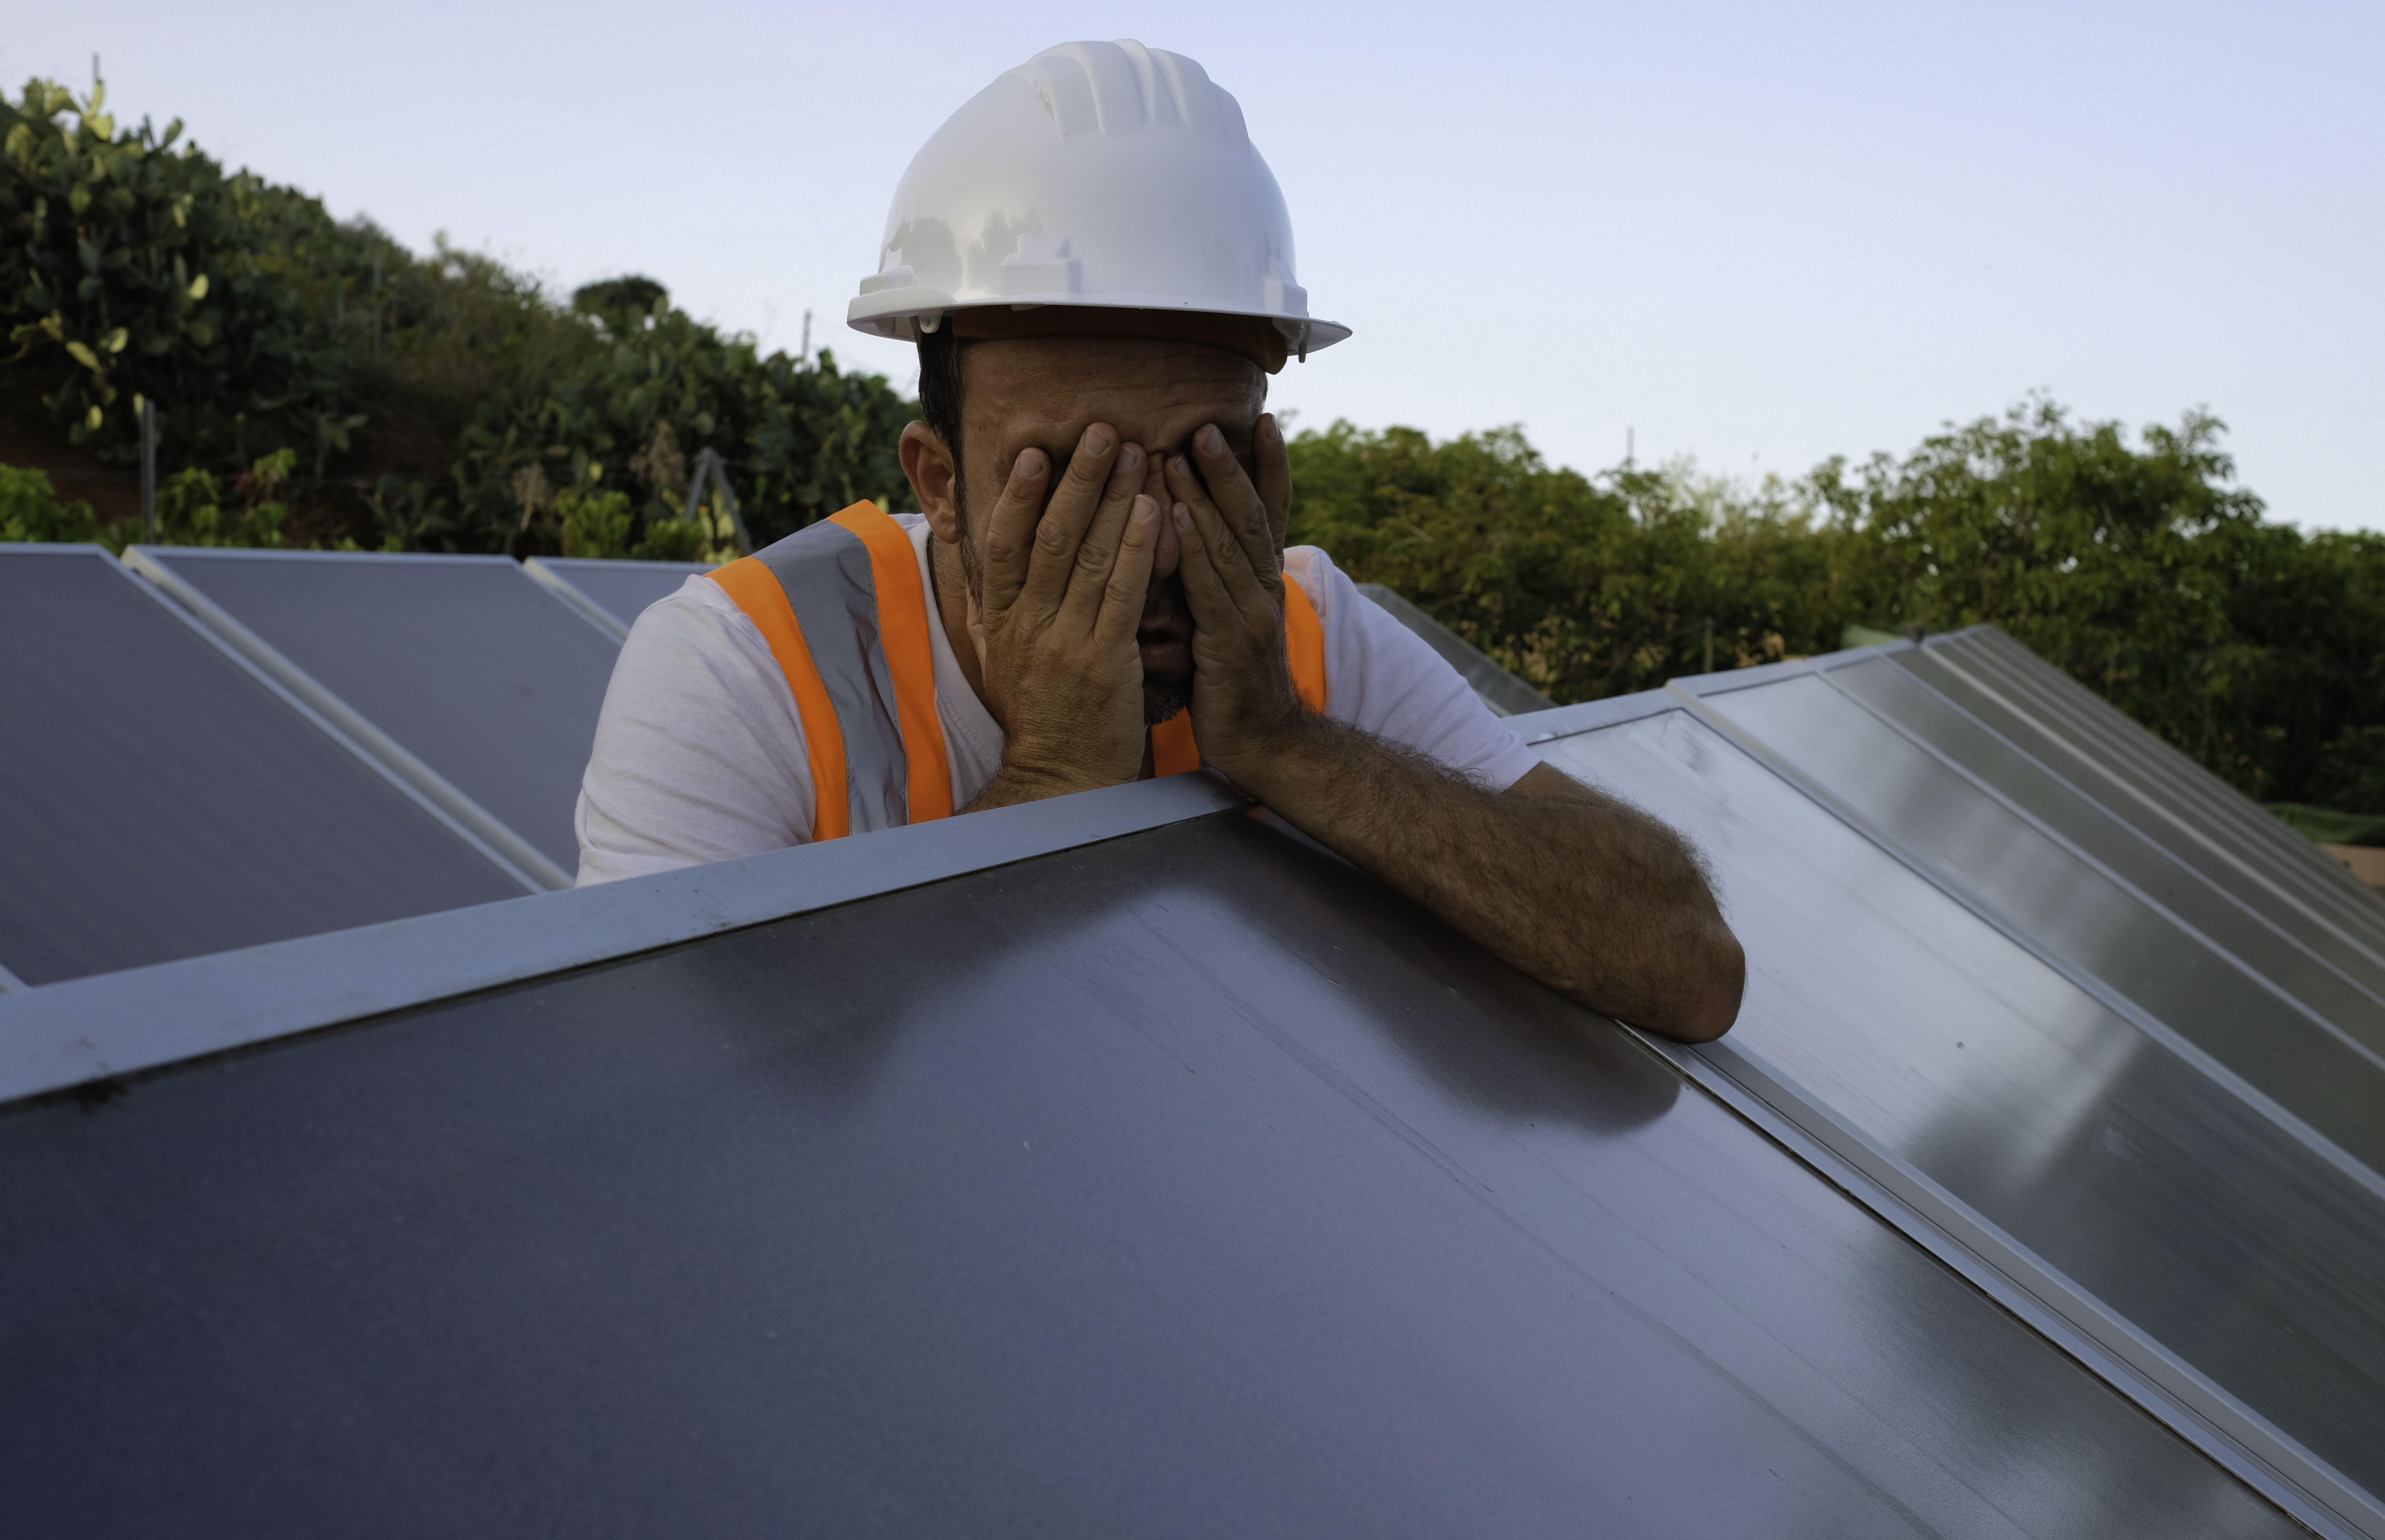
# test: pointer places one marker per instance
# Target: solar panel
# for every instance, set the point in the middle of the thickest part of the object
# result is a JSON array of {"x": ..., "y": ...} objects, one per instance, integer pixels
[
  {"x": 1188, "y": 1183},
  {"x": 466, "y": 663},
  {"x": 2150, "y": 786},
  {"x": 2321, "y": 1062},
  {"x": 619, "y": 590},
  {"x": 2139, "y": 1198},
  {"x": 158, "y": 800},
  {"x": 2320, "y": 968}
]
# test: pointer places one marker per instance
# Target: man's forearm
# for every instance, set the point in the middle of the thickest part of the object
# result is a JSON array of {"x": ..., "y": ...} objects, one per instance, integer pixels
[{"x": 1586, "y": 894}]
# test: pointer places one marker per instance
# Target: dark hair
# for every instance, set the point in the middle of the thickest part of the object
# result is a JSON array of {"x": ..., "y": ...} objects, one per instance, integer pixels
[{"x": 939, "y": 389}]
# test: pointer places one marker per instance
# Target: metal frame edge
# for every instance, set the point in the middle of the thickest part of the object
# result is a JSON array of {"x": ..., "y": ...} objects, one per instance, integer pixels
[
  {"x": 78, "y": 1031},
  {"x": 580, "y": 603},
  {"x": 524, "y": 862}
]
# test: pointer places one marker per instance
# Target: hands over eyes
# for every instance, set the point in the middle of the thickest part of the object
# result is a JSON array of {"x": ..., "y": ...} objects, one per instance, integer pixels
[
  {"x": 1066, "y": 572},
  {"x": 1230, "y": 528}
]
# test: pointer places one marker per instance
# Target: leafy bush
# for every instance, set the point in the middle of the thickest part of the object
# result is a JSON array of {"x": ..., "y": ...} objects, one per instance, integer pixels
[
  {"x": 1584, "y": 587},
  {"x": 193, "y": 511},
  {"x": 30, "y": 509},
  {"x": 2351, "y": 772},
  {"x": 130, "y": 267},
  {"x": 2135, "y": 566},
  {"x": 600, "y": 524}
]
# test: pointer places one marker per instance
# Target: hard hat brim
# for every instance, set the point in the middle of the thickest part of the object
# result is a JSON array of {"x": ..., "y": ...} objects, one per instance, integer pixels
[{"x": 896, "y": 313}]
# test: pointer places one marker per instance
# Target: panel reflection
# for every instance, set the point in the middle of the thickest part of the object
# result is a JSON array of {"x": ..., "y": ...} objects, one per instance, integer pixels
[
  {"x": 2173, "y": 800},
  {"x": 2340, "y": 982},
  {"x": 2307, "y": 1064},
  {"x": 1950, "y": 1046}
]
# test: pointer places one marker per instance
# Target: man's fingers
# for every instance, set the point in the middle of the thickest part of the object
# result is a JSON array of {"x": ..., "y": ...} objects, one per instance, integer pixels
[
  {"x": 1130, "y": 576},
  {"x": 1213, "y": 607},
  {"x": 1074, "y": 503},
  {"x": 1274, "y": 478},
  {"x": 1228, "y": 556},
  {"x": 1011, "y": 530},
  {"x": 1233, "y": 495},
  {"x": 1097, "y": 553}
]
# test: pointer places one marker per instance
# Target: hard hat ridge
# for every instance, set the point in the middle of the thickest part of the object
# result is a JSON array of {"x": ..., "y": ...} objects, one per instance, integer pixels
[
  {"x": 1097, "y": 176},
  {"x": 1118, "y": 87}
]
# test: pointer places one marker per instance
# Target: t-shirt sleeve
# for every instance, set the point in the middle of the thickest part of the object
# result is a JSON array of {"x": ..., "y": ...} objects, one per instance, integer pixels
[
  {"x": 1383, "y": 678},
  {"x": 699, "y": 752}
]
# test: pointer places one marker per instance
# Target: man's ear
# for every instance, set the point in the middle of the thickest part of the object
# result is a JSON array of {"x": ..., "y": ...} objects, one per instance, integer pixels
[{"x": 935, "y": 480}]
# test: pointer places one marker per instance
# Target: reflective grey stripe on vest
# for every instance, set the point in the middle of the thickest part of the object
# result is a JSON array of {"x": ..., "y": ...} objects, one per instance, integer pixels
[{"x": 824, "y": 569}]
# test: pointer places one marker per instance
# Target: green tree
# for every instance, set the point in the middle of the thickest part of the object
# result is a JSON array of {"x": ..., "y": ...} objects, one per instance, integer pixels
[
  {"x": 2129, "y": 560},
  {"x": 1585, "y": 587},
  {"x": 439, "y": 402},
  {"x": 129, "y": 267}
]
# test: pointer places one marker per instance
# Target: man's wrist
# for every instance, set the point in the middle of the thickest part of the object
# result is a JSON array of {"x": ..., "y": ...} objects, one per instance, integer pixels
[
  {"x": 1282, "y": 762},
  {"x": 1031, "y": 782}
]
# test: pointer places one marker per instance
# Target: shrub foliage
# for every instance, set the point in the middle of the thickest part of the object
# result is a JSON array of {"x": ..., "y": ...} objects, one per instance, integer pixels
[
  {"x": 441, "y": 402},
  {"x": 2133, "y": 564}
]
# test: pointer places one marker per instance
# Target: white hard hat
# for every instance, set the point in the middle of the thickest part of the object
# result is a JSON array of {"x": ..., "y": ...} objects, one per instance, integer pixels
[{"x": 1105, "y": 175}]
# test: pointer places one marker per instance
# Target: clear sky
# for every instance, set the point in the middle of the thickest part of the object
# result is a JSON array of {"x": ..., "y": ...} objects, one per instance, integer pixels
[{"x": 1756, "y": 234}]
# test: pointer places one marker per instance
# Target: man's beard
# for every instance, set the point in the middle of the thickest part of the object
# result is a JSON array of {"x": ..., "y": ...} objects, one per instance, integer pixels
[
  {"x": 1164, "y": 695},
  {"x": 1162, "y": 699}
]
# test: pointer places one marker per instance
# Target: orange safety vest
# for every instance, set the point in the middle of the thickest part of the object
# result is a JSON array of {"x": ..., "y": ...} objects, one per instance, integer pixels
[{"x": 841, "y": 606}]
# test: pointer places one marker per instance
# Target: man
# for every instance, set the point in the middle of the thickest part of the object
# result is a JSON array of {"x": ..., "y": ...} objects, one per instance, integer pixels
[{"x": 1096, "y": 267}]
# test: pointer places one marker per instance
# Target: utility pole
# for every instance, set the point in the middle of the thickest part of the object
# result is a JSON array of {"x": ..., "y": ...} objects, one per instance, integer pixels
[
  {"x": 1709, "y": 644},
  {"x": 1628, "y": 448},
  {"x": 148, "y": 471},
  {"x": 806, "y": 356}
]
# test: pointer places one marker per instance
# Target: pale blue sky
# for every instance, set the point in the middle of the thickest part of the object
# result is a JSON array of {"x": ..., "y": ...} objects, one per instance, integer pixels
[{"x": 1756, "y": 234}]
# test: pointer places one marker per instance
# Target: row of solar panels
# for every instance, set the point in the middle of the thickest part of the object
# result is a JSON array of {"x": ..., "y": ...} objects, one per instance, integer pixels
[
  {"x": 2117, "y": 1033},
  {"x": 216, "y": 748},
  {"x": 1257, "y": 1202}
]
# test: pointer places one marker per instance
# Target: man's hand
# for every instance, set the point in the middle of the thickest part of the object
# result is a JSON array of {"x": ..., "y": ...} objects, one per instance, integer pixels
[
  {"x": 1585, "y": 893},
  {"x": 1230, "y": 530},
  {"x": 1062, "y": 592}
]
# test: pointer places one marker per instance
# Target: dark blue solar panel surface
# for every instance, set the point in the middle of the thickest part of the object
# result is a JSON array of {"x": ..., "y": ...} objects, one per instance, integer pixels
[
  {"x": 467, "y": 661},
  {"x": 1189, "y": 1184},
  {"x": 623, "y": 589},
  {"x": 157, "y": 802}
]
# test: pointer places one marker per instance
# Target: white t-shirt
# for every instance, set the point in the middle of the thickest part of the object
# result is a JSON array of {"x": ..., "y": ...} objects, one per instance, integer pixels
[{"x": 700, "y": 751}]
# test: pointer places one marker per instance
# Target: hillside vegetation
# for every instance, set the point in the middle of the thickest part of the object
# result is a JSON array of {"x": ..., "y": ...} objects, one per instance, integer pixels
[
  {"x": 321, "y": 384},
  {"x": 441, "y": 402}
]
